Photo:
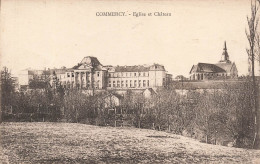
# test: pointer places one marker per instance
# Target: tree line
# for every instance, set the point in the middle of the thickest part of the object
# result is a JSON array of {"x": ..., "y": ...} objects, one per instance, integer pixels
[{"x": 215, "y": 116}]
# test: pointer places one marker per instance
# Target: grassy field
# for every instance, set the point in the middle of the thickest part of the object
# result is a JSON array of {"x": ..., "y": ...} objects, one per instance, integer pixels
[{"x": 79, "y": 143}]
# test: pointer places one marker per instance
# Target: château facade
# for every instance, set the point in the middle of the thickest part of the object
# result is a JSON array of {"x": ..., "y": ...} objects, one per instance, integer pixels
[
  {"x": 91, "y": 74},
  {"x": 224, "y": 69}
]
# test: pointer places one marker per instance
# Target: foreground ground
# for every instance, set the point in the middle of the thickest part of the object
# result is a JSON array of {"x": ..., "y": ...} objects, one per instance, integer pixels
[{"x": 79, "y": 143}]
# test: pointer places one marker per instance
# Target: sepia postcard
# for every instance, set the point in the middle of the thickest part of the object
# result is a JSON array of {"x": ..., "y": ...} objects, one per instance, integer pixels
[{"x": 149, "y": 81}]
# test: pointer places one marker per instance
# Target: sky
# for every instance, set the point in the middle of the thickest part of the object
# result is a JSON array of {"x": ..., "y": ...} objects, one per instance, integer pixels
[{"x": 56, "y": 33}]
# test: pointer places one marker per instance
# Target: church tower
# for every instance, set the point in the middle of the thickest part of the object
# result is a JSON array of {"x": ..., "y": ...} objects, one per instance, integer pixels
[{"x": 224, "y": 56}]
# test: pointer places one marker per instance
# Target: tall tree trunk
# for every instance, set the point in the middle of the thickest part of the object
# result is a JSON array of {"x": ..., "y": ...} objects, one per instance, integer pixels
[
  {"x": 252, "y": 39},
  {"x": 256, "y": 143}
]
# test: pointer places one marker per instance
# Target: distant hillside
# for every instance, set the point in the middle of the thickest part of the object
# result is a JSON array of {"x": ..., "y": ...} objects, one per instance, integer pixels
[{"x": 80, "y": 143}]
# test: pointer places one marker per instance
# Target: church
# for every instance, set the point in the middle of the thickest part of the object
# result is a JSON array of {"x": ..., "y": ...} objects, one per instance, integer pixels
[{"x": 224, "y": 69}]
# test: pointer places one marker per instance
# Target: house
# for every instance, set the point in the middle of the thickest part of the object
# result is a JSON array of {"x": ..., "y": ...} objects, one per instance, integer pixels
[
  {"x": 28, "y": 75},
  {"x": 149, "y": 92},
  {"x": 180, "y": 78},
  {"x": 112, "y": 101}
]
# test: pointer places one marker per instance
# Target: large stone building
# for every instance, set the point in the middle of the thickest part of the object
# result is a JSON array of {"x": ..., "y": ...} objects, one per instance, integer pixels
[
  {"x": 224, "y": 69},
  {"x": 91, "y": 74},
  {"x": 27, "y": 75}
]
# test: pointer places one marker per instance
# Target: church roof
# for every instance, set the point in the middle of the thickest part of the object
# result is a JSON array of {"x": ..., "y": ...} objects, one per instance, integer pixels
[
  {"x": 212, "y": 68},
  {"x": 225, "y": 66},
  {"x": 207, "y": 68}
]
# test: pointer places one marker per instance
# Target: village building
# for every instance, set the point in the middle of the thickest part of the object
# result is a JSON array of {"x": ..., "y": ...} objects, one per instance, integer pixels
[
  {"x": 180, "y": 78},
  {"x": 27, "y": 75},
  {"x": 111, "y": 100},
  {"x": 149, "y": 92},
  {"x": 224, "y": 69}
]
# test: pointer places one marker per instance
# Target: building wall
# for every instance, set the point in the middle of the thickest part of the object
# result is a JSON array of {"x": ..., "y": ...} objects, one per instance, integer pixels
[
  {"x": 110, "y": 80},
  {"x": 234, "y": 72},
  {"x": 23, "y": 77},
  {"x": 102, "y": 77},
  {"x": 83, "y": 79},
  {"x": 208, "y": 76},
  {"x": 128, "y": 80},
  {"x": 157, "y": 78}
]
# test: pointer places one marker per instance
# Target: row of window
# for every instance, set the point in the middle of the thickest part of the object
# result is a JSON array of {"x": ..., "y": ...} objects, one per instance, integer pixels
[
  {"x": 87, "y": 73},
  {"x": 128, "y": 74},
  {"x": 86, "y": 84},
  {"x": 122, "y": 74},
  {"x": 132, "y": 83}
]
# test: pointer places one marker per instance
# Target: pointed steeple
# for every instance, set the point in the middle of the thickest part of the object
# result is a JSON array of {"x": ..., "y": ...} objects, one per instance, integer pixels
[
  {"x": 225, "y": 46},
  {"x": 225, "y": 57}
]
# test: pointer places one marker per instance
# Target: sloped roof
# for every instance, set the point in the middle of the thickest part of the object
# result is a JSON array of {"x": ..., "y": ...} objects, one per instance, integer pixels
[
  {"x": 90, "y": 60},
  {"x": 113, "y": 94},
  {"x": 151, "y": 90},
  {"x": 38, "y": 72},
  {"x": 208, "y": 68},
  {"x": 194, "y": 68},
  {"x": 157, "y": 67},
  {"x": 225, "y": 66},
  {"x": 96, "y": 68},
  {"x": 76, "y": 66},
  {"x": 205, "y": 67},
  {"x": 138, "y": 68}
]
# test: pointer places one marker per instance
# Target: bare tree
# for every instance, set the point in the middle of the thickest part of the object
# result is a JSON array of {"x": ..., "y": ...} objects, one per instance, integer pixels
[
  {"x": 7, "y": 88},
  {"x": 251, "y": 34},
  {"x": 258, "y": 51}
]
